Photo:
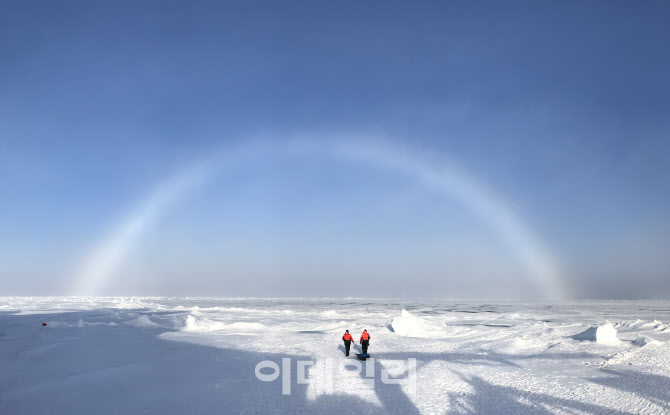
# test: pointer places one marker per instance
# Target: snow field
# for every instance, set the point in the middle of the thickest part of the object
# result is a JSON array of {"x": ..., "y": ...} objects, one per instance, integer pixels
[{"x": 165, "y": 355}]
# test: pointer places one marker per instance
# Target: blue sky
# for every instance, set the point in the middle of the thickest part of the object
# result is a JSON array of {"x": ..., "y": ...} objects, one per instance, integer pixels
[{"x": 559, "y": 110}]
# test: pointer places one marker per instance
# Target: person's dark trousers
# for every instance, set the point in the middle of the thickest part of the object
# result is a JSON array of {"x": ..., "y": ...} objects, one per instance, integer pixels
[
  {"x": 364, "y": 345},
  {"x": 347, "y": 344}
]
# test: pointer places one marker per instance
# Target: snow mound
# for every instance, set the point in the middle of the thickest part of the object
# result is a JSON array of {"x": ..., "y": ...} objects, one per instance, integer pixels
[
  {"x": 195, "y": 324},
  {"x": 408, "y": 325},
  {"x": 604, "y": 334},
  {"x": 143, "y": 322},
  {"x": 646, "y": 341}
]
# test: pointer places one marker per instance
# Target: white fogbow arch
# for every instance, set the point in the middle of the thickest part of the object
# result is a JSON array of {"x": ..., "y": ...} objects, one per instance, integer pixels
[{"x": 100, "y": 264}]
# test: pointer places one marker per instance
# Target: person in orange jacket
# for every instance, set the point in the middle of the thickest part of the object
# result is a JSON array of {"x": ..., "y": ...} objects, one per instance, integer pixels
[
  {"x": 365, "y": 341},
  {"x": 347, "y": 341}
]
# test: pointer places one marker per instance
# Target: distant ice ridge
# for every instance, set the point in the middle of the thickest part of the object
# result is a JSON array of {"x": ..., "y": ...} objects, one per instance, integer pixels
[
  {"x": 199, "y": 324},
  {"x": 604, "y": 334},
  {"x": 409, "y": 325},
  {"x": 639, "y": 324},
  {"x": 79, "y": 324}
]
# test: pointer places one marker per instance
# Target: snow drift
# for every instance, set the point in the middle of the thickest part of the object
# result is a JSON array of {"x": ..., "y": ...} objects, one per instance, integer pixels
[
  {"x": 142, "y": 321},
  {"x": 646, "y": 341},
  {"x": 408, "y": 325},
  {"x": 604, "y": 334}
]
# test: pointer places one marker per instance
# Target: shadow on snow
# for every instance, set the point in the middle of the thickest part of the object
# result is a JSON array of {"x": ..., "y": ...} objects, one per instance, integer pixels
[{"x": 104, "y": 370}]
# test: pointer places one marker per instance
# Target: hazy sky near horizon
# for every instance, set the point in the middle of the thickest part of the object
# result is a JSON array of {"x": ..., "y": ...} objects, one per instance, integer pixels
[{"x": 558, "y": 112}]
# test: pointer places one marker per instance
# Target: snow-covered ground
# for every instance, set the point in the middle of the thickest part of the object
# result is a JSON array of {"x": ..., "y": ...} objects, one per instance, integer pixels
[{"x": 201, "y": 355}]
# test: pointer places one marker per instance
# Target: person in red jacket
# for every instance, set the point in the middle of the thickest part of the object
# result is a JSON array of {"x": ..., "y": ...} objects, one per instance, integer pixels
[
  {"x": 347, "y": 341},
  {"x": 365, "y": 341}
]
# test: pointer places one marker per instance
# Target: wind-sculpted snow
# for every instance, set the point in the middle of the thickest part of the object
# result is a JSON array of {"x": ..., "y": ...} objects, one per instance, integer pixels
[
  {"x": 191, "y": 355},
  {"x": 602, "y": 334}
]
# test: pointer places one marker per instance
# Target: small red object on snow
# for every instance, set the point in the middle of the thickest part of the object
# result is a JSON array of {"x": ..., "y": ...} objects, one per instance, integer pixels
[{"x": 44, "y": 324}]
